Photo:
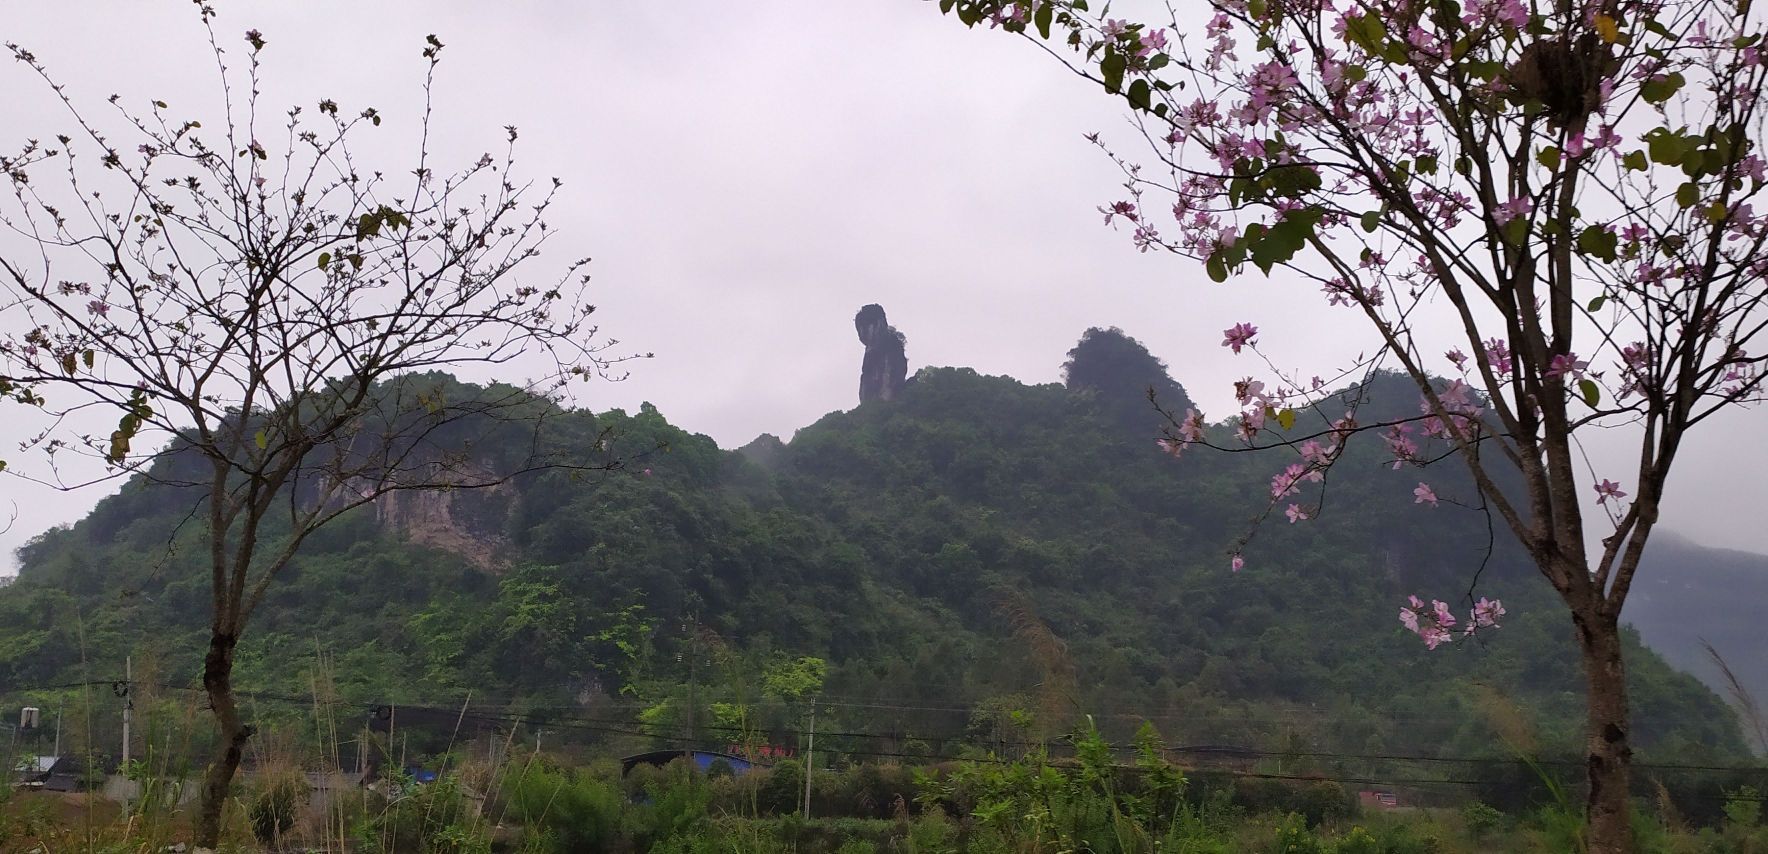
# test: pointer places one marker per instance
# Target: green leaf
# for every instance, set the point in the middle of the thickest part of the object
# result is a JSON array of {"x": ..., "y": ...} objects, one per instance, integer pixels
[
  {"x": 1292, "y": 181},
  {"x": 1634, "y": 160},
  {"x": 368, "y": 225},
  {"x": 1591, "y": 391},
  {"x": 1042, "y": 19},
  {"x": 1666, "y": 146},
  {"x": 1218, "y": 271},
  {"x": 1367, "y": 32},
  {"x": 1688, "y": 194},
  {"x": 1111, "y": 68},
  {"x": 1282, "y": 241},
  {"x": 262, "y": 440},
  {"x": 67, "y": 363},
  {"x": 1548, "y": 157},
  {"x": 1139, "y": 95},
  {"x": 1596, "y": 304},
  {"x": 89, "y": 357},
  {"x": 1515, "y": 231},
  {"x": 1662, "y": 87},
  {"x": 324, "y": 260},
  {"x": 1371, "y": 221},
  {"x": 1598, "y": 242},
  {"x": 1286, "y": 419}
]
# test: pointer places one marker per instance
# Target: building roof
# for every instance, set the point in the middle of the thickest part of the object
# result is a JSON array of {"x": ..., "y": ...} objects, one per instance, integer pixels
[{"x": 701, "y": 758}]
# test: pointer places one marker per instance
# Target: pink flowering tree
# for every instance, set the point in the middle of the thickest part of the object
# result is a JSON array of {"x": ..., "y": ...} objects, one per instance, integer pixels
[
  {"x": 263, "y": 317},
  {"x": 1542, "y": 212}
]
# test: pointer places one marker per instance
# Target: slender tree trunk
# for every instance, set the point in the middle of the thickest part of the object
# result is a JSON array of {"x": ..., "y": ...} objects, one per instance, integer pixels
[
  {"x": 1609, "y": 752},
  {"x": 218, "y": 682}
]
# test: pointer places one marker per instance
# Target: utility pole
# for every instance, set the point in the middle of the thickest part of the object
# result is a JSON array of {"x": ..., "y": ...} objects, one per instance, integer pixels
[
  {"x": 694, "y": 688},
  {"x": 128, "y": 703},
  {"x": 809, "y": 746}
]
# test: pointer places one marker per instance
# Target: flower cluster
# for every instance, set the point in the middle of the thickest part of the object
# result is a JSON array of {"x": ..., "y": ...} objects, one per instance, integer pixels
[{"x": 1436, "y": 624}]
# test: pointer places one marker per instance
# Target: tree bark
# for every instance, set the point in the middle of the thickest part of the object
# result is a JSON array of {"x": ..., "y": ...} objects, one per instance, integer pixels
[
  {"x": 218, "y": 682},
  {"x": 1609, "y": 752}
]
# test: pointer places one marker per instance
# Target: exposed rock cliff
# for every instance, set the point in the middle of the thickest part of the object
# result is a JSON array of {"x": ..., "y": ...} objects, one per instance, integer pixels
[{"x": 886, "y": 365}]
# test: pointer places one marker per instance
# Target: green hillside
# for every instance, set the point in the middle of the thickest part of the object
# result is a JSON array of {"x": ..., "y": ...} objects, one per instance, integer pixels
[{"x": 976, "y": 547}]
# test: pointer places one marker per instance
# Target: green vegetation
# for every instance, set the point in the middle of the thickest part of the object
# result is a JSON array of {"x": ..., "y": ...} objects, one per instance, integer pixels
[
  {"x": 980, "y": 564},
  {"x": 1103, "y": 799}
]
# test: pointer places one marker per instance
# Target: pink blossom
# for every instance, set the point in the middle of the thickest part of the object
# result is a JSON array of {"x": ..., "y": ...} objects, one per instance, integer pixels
[
  {"x": 1609, "y": 489},
  {"x": 1481, "y": 12},
  {"x": 1250, "y": 390},
  {"x": 1567, "y": 364},
  {"x": 1486, "y": 613},
  {"x": 1284, "y": 483},
  {"x": 1498, "y": 356},
  {"x": 1153, "y": 42},
  {"x": 97, "y": 307},
  {"x": 1458, "y": 358},
  {"x": 1423, "y": 494},
  {"x": 1516, "y": 208},
  {"x": 1443, "y": 615},
  {"x": 1114, "y": 27},
  {"x": 1239, "y": 335},
  {"x": 1399, "y": 441},
  {"x": 1191, "y": 427},
  {"x": 1295, "y": 514},
  {"x": 1238, "y": 563},
  {"x": 1409, "y": 619},
  {"x": 1146, "y": 238},
  {"x": 1170, "y": 447},
  {"x": 1434, "y": 636},
  {"x": 1127, "y": 210}
]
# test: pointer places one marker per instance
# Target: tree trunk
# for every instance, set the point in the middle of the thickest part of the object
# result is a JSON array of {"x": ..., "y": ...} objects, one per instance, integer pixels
[
  {"x": 218, "y": 682},
  {"x": 1609, "y": 754}
]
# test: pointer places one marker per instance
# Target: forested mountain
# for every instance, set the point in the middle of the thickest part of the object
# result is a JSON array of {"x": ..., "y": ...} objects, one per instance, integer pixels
[{"x": 974, "y": 546}]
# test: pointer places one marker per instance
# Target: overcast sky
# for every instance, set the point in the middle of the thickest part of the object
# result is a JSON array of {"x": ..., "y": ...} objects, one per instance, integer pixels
[{"x": 747, "y": 175}]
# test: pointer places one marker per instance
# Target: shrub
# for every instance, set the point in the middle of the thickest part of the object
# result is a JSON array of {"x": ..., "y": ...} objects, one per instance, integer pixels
[
  {"x": 1481, "y": 820},
  {"x": 1357, "y": 841},
  {"x": 570, "y": 811},
  {"x": 281, "y": 794}
]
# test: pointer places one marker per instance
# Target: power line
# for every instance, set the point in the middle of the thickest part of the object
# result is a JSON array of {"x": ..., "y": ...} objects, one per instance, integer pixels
[{"x": 615, "y": 726}]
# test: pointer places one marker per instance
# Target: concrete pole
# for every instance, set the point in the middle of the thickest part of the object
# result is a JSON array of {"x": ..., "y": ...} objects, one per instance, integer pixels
[
  {"x": 128, "y": 702},
  {"x": 809, "y": 746}
]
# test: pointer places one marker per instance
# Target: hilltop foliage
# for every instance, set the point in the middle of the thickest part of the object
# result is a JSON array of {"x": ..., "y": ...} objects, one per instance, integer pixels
[{"x": 913, "y": 544}]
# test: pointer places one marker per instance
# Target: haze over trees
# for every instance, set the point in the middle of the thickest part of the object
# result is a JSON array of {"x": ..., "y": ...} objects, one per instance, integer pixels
[{"x": 898, "y": 542}]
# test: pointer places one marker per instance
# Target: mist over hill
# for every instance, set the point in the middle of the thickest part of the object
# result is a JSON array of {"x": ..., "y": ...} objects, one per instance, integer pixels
[{"x": 913, "y": 542}]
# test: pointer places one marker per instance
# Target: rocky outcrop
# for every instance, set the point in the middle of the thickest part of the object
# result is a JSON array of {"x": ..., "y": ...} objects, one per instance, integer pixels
[
  {"x": 886, "y": 365},
  {"x": 463, "y": 522}
]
